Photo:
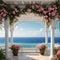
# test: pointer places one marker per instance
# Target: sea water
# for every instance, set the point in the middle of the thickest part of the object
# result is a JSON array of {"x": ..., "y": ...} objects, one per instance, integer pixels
[{"x": 29, "y": 42}]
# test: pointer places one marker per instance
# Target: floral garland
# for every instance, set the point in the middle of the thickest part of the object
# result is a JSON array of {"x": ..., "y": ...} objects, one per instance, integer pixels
[
  {"x": 49, "y": 12},
  {"x": 6, "y": 10}
]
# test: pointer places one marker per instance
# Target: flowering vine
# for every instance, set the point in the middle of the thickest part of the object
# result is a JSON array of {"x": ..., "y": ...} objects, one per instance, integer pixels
[
  {"x": 6, "y": 10},
  {"x": 49, "y": 11}
]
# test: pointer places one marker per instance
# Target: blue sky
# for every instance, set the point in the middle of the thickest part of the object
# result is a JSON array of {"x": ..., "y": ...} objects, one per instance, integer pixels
[
  {"x": 31, "y": 29},
  {"x": 34, "y": 29}
]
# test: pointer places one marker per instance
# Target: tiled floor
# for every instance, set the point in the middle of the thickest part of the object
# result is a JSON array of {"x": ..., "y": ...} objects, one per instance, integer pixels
[{"x": 27, "y": 56}]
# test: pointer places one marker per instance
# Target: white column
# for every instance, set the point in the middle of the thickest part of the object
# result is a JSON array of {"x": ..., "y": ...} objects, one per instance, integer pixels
[
  {"x": 11, "y": 32},
  {"x": 46, "y": 34},
  {"x": 52, "y": 41},
  {"x": 11, "y": 37},
  {"x": 6, "y": 26}
]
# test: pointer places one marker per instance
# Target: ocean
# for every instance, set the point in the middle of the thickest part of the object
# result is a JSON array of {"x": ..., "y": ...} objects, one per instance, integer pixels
[{"x": 29, "y": 40}]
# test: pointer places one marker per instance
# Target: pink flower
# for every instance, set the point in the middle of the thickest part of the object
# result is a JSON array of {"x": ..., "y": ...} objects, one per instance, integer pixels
[
  {"x": 41, "y": 46},
  {"x": 4, "y": 15},
  {"x": 50, "y": 8},
  {"x": 29, "y": 10},
  {"x": 4, "y": 11},
  {"x": 53, "y": 13},
  {"x": 55, "y": 57},
  {"x": 33, "y": 6},
  {"x": 55, "y": 6},
  {"x": 44, "y": 12},
  {"x": 49, "y": 13},
  {"x": 16, "y": 10},
  {"x": 14, "y": 47},
  {"x": 1, "y": 13},
  {"x": 58, "y": 53},
  {"x": 13, "y": 12},
  {"x": 45, "y": 16},
  {"x": 42, "y": 9},
  {"x": 39, "y": 10}
]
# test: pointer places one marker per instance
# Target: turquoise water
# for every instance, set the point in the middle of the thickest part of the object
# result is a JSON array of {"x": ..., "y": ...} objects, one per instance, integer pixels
[
  {"x": 24, "y": 45},
  {"x": 32, "y": 46},
  {"x": 29, "y": 42}
]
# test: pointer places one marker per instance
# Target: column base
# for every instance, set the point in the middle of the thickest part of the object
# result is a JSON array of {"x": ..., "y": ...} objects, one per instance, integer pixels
[
  {"x": 51, "y": 57},
  {"x": 8, "y": 58}
]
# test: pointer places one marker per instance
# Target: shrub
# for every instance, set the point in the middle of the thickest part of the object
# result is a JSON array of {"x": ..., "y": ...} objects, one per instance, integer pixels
[{"x": 2, "y": 56}]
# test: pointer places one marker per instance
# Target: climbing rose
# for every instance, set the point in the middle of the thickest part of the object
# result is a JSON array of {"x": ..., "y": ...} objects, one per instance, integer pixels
[{"x": 29, "y": 10}]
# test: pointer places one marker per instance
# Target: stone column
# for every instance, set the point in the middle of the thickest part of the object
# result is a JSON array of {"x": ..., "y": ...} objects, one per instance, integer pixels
[
  {"x": 6, "y": 26},
  {"x": 11, "y": 33},
  {"x": 46, "y": 34},
  {"x": 52, "y": 40}
]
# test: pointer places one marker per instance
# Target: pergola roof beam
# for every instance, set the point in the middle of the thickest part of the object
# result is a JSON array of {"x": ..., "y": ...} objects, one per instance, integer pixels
[{"x": 27, "y": 1}]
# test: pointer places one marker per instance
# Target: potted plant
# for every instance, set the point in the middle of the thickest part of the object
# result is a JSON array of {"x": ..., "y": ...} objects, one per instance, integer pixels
[
  {"x": 15, "y": 49},
  {"x": 41, "y": 48}
]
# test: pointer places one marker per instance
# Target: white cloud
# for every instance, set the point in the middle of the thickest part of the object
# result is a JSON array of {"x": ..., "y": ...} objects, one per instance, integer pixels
[
  {"x": 41, "y": 29},
  {"x": 21, "y": 32},
  {"x": 57, "y": 33},
  {"x": 29, "y": 33},
  {"x": 2, "y": 33}
]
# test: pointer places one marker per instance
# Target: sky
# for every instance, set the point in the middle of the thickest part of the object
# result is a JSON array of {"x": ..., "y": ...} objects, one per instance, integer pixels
[{"x": 31, "y": 29}]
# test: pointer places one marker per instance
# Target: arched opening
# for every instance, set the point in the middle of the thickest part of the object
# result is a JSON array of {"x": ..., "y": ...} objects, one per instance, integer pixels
[
  {"x": 29, "y": 26},
  {"x": 29, "y": 33}
]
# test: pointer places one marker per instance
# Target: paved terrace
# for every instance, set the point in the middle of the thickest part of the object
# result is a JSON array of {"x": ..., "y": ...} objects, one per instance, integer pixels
[{"x": 32, "y": 55}]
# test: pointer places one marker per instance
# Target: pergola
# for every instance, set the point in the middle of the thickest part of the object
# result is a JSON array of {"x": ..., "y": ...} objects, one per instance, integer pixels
[{"x": 22, "y": 3}]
